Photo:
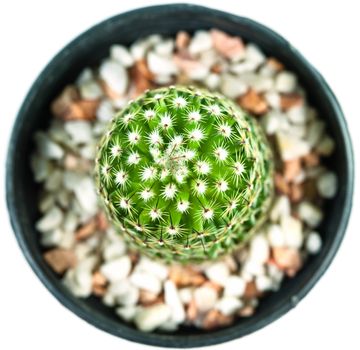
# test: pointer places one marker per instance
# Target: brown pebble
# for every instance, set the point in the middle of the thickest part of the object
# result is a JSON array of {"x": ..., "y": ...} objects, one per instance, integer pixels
[
  {"x": 246, "y": 311},
  {"x": 141, "y": 76},
  {"x": 292, "y": 169},
  {"x": 99, "y": 284},
  {"x": 182, "y": 40},
  {"x": 281, "y": 184},
  {"x": 192, "y": 310},
  {"x": 89, "y": 109},
  {"x": 61, "y": 105},
  {"x": 60, "y": 259},
  {"x": 99, "y": 291},
  {"x": 185, "y": 63},
  {"x": 147, "y": 298},
  {"x": 296, "y": 193},
  {"x": 86, "y": 230},
  {"x": 143, "y": 69},
  {"x": 216, "y": 68},
  {"x": 311, "y": 159},
  {"x": 215, "y": 319},
  {"x": 251, "y": 291},
  {"x": 102, "y": 222},
  {"x": 287, "y": 259},
  {"x": 290, "y": 100},
  {"x": 228, "y": 46},
  {"x": 253, "y": 102},
  {"x": 99, "y": 279},
  {"x": 275, "y": 64},
  {"x": 186, "y": 276}
]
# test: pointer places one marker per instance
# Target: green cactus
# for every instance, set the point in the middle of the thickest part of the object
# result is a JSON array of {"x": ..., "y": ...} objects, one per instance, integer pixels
[{"x": 185, "y": 174}]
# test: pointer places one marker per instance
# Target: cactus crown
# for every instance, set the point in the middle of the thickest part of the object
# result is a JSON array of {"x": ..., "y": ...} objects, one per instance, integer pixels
[{"x": 184, "y": 173}]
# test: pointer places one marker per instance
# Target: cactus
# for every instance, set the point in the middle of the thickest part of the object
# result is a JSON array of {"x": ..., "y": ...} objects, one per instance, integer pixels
[{"x": 185, "y": 174}]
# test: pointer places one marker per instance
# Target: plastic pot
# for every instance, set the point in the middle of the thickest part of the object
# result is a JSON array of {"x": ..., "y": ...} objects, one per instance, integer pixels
[{"x": 87, "y": 50}]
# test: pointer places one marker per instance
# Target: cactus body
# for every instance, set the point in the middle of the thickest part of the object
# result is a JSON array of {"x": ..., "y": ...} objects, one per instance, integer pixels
[{"x": 185, "y": 174}]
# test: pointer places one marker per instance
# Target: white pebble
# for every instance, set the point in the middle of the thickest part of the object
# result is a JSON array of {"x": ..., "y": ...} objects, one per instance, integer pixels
[
  {"x": 205, "y": 298},
  {"x": 79, "y": 279},
  {"x": 291, "y": 147},
  {"x": 51, "y": 238},
  {"x": 165, "y": 48},
  {"x": 212, "y": 81},
  {"x": 146, "y": 281},
  {"x": 48, "y": 148},
  {"x": 275, "y": 236},
  {"x": 263, "y": 283},
  {"x": 71, "y": 221},
  {"x": 67, "y": 240},
  {"x": 127, "y": 313},
  {"x": 169, "y": 326},
  {"x": 51, "y": 220},
  {"x": 149, "y": 318},
  {"x": 116, "y": 269},
  {"x": 160, "y": 65},
  {"x": 234, "y": 286},
  {"x": 326, "y": 146},
  {"x": 200, "y": 42},
  {"x": 40, "y": 167},
  {"x": 327, "y": 184},
  {"x": 91, "y": 90},
  {"x": 257, "y": 82},
  {"x": 254, "y": 54},
  {"x": 217, "y": 272},
  {"x": 186, "y": 295},
  {"x": 199, "y": 73},
  {"x": 105, "y": 111},
  {"x": 153, "y": 267},
  {"x": 297, "y": 115},
  {"x": 85, "y": 76},
  {"x": 259, "y": 249},
  {"x": 276, "y": 274},
  {"x": 229, "y": 305},
  {"x": 122, "y": 55},
  {"x": 124, "y": 293},
  {"x": 292, "y": 229},
  {"x": 232, "y": 86},
  {"x": 313, "y": 242},
  {"x": 252, "y": 268},
  {"x": 315, "y": 131},
  {"x": 80, "y": 131},
  {"x": 243, "y": 67},
  {"x": 311, "y": 214},
  {"x": 86, "y": 195},
  {"x": 271, "y": 122},
  {"x": 285, "y": 82},
  {"x": 114, "y": 75},
  {"x": 46, "y": 202},
  {"x": 273, "y": 99},
  {"x": 54, "y": 181},
  {"x": 114, "y": 250},
  {"x": 172, "y": 299},
  {"x": 77, "y": 290}
]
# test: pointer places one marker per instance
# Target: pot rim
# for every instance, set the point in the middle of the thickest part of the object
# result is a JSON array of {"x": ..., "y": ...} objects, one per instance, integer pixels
[{"x": 173, "y": 340}]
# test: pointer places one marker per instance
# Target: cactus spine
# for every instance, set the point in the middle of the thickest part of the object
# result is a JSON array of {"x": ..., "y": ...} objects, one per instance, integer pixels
[{"x": 185, "y": 174}]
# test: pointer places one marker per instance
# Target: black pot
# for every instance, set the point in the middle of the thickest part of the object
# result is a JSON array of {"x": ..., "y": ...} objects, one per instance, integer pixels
[{"x": 87, "y": 50}]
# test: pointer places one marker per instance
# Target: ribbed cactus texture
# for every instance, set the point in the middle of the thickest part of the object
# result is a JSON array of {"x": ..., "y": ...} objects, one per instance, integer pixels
[{"x": 185, "y": 174}]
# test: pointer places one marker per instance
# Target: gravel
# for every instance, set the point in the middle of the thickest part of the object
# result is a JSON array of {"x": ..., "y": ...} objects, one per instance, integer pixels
[{"x": 88, "y": 254}]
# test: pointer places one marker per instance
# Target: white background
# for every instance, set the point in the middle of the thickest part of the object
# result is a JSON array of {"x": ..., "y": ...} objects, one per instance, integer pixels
[{"x": 326, "y": 32}]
